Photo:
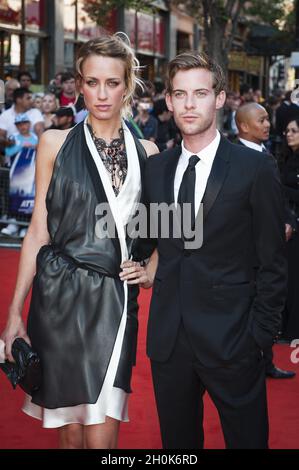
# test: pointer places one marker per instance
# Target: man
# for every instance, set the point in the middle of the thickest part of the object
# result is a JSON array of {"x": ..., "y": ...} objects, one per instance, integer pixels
[
  {"x": 64, "y": 118},
  {"x": 25, "y": 80},
  {"x": 10, "y": 86},
  {"x": 254, "y": 126},
  {"x": 211, "y": 313},
  {"x": 22, "y": 99},
  {"x": 146, "y": 122},
  {"x": 68, "y": 89}
]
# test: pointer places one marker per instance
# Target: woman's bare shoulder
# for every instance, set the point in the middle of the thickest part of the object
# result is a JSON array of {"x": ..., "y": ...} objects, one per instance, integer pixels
[
  {"x": 150, "y": 147},
  {"x": 51, "y": 141}
]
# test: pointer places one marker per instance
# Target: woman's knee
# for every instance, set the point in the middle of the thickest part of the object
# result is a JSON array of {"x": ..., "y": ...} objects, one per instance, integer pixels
[
  {"x": 102, "y": 436},
  {"x": 71, "y": 437}
]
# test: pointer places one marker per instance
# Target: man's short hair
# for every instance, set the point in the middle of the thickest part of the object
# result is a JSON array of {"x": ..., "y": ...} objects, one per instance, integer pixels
[
  {"x": 24, "y": 73},
  {"x": 195, "y": 60},
  {"x": 20, "y": 92},
  {"x": 67, "y": 76}
]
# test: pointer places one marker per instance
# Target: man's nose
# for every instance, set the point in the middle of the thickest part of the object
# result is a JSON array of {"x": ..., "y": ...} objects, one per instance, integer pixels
[{"x": 189, "y": 101}]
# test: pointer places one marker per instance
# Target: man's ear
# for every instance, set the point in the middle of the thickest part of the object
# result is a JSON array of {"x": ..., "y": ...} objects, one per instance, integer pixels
[
  {"x": 168, "y": 100},
  {"x": 220, "y": 99},
  {"x": 244, "y": 127}
]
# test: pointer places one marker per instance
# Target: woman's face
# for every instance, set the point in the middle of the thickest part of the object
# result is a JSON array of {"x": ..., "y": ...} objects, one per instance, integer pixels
[
  {"x": 49, "y": 104},
  {"x": 292, "y": 135},
  {"x": 103, "y": 86},
  {"x": 37, "y": 102}
]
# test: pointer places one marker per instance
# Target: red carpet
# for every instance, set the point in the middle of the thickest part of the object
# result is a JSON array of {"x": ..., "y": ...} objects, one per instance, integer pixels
[{"x": 20, "y": 431}]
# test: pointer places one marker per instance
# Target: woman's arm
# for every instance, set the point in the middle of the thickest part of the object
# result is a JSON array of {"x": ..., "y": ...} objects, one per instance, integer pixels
[
  {"x": 37, "y": 236},
  {"x": 133, "y": 272}
]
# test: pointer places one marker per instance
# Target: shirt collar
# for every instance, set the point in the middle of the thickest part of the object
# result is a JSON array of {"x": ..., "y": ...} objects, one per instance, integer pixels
[
  {"x": 207, "y": 154},
  {"x": 253, "y": 145}
]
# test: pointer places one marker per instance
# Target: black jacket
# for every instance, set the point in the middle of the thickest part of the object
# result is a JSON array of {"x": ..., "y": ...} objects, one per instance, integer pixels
[{"x": 225, "y": 304}]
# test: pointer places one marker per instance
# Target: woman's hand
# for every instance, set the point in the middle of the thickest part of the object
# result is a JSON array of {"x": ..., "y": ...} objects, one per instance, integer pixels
[
  {"x": 134, "y": 273},
  {"x": 15, "y": 328}
]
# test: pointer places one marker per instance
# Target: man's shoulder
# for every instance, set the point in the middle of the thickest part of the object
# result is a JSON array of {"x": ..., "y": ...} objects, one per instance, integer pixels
[
  {"x": 164, "y": 156},
  {"x": 7, "y": 114},
  {"x": 247, "y": 154},
  {"x": 35, "y": 114}
]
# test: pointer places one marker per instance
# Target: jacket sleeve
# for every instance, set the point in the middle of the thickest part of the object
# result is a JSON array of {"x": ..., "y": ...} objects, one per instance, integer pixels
[{"x": 269, "y": 237}]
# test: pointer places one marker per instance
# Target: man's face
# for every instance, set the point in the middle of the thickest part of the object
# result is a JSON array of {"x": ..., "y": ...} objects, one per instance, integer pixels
[
  {"x": 25, "y": 81},
  {"x": 62, "y": 122},
  {"x": 145, "y": 104},
  {"x": 193, "y": 101},
  {"x": 258, "y": 125},
  {"x": 26, "y": 101},
  {"x": 69, "y": 86}
]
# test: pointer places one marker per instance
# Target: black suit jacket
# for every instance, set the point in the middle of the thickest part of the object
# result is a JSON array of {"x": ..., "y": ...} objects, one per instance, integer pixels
[{"x": 227, "y": 307}]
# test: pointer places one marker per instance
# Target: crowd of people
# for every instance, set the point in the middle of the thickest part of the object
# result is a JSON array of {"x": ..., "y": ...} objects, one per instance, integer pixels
[{"x": 257, "y": 225}]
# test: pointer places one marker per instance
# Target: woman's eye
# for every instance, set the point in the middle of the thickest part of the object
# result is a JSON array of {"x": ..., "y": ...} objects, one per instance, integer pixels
[{"x": 113, "y": 84}]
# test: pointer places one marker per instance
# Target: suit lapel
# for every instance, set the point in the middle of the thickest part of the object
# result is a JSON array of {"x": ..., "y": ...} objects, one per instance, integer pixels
[
  {"x": 170, "y": 171},
  {"x": 170, "y": 174},
  {"x": 217, "y": 176}
]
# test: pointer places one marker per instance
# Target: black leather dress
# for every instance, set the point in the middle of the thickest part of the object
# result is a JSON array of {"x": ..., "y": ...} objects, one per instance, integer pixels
[{"x": 77, "y": 296}]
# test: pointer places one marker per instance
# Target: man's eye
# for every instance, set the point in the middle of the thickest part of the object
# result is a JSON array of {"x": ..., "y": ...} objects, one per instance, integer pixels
[
  {"x": 200, "y": 94},
  {"x": 179, "y": 94}
]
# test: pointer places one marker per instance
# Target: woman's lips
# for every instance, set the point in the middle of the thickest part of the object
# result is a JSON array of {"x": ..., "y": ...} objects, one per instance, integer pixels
[{"x": 103, "y": 107}]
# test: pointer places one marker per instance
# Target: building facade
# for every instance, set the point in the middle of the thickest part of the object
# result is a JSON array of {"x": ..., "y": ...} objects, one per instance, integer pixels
[{"x": 43, "y": 36}]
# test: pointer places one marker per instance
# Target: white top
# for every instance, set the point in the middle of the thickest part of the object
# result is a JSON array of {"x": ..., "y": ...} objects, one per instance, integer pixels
[
  {"x": 253, "y": 145},
  {"x": 7, "y": 119},
  {"x": 203, "y": 169}
]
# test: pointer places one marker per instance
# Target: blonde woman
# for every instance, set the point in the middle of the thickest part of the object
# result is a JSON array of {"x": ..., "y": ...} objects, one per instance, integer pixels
[
  {"x": 83, "y": 318},
  {"x": 49, "y": 106}
]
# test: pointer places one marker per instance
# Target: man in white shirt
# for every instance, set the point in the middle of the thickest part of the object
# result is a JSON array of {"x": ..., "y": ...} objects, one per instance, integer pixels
[
  {"x": 253, "y": 123},
  {"x": 22, "y": 99},
  {"x": 211, "y": 313}
]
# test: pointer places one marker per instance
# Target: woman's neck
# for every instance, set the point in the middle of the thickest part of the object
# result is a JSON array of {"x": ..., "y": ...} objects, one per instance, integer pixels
[{"x": 107, "y": 130}]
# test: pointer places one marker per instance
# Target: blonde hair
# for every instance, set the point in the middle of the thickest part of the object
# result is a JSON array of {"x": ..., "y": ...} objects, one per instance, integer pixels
[
  {"x": 195, "y": 60},
  {"x": 118, "y": 47}
]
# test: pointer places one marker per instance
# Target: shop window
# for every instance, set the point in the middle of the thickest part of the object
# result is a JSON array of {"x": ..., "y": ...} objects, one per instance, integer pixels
[
  {"x": 10, "y": 13},
  {"x": 87, "y": 29},
  {"x": 33, "y": 57},
  {"x": 69, "y": 19},
  {"x": 69, "y": 56},
  {"x": 34, "y": 20}
]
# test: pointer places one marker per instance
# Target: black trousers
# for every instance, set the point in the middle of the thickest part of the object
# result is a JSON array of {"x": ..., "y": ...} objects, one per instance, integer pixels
[{"x": 238, "y": 391}]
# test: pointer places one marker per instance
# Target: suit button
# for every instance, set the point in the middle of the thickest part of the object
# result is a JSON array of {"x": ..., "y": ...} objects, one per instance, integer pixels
[{"x": 187, "y": 253}]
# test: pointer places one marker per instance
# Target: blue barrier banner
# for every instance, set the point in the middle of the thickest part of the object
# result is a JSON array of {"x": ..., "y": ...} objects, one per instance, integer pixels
[{"x": 22, "y": 184}]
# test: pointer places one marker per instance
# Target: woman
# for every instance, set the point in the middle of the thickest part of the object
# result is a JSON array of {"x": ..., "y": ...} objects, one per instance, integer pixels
[
  {"x": 82, "y": 319},
  {"x": 290, "y": 180},
  {"x": 49, "y": 106}
]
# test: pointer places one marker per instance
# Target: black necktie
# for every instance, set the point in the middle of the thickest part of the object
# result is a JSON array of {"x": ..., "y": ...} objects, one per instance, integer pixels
[{"x": 187, "y": 189}]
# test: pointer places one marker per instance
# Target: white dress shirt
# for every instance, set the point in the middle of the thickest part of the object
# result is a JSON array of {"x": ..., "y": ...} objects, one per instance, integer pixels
[
  {"x": 253, "y": 145},
  {"x": 203, "y": 169}
]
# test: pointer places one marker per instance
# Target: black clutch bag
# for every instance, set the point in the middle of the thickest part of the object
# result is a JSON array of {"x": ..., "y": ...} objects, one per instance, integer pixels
[{"x": 26, "y": 371}]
